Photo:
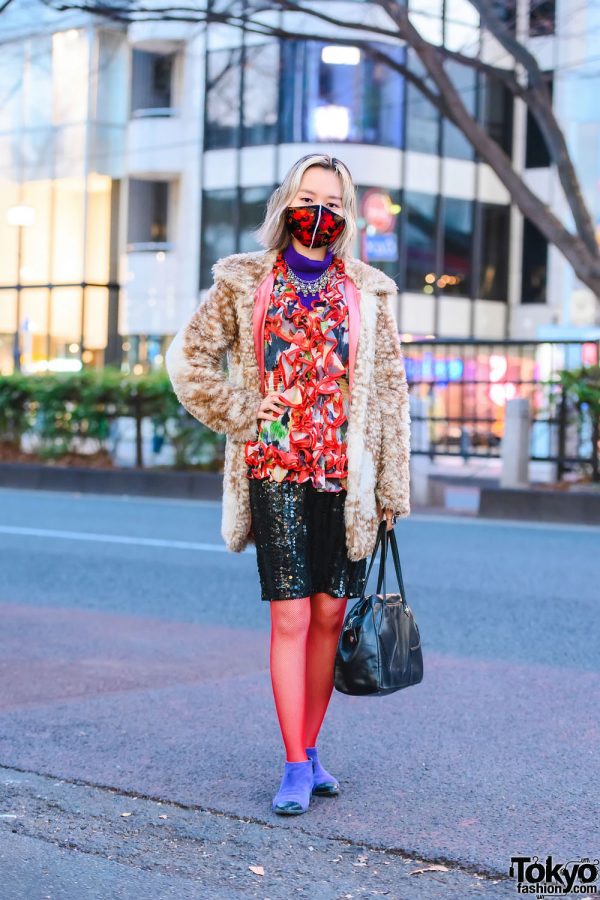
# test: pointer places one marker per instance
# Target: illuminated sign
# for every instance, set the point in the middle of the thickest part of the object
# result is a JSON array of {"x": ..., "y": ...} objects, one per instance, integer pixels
[
  {"x": 381, "y": 247},
  {"x": 500, "y": 391},
  {"x": 430, "y": 369}
]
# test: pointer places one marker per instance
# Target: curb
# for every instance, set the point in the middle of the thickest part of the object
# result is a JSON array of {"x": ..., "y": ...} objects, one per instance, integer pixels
[
  {"x": 137, "y": 482},
  {"x": 579, "y": 507},
  {"x": 476, "y": 500}
]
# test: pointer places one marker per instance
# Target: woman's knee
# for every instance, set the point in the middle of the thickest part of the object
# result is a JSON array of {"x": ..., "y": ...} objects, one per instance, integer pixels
[
  {"x": 290, "y": 618},
  {"x": 327, "y": 612}
]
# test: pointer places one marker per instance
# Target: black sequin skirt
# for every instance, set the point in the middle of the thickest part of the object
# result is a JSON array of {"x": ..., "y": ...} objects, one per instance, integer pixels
[{"x": 300, "y": 539}]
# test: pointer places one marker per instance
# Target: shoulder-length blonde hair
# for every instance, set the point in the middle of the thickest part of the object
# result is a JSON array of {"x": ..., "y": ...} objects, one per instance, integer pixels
[{"x": 273, "y": 234}]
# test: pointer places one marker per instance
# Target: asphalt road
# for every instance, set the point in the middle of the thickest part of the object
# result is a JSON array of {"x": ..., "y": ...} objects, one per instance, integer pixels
[{"x": 134, "y": 679}]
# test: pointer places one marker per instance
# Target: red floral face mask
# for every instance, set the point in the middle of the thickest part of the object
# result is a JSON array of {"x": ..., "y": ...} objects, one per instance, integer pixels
[{"x": 314, "y": 226}]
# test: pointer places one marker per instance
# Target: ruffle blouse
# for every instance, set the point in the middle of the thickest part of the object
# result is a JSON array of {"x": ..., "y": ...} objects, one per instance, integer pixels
[{"x": 306, "y": 352}]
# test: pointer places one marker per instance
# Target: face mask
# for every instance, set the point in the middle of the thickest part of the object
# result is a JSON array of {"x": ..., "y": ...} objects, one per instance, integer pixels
[{"x": 314, "y": 226}]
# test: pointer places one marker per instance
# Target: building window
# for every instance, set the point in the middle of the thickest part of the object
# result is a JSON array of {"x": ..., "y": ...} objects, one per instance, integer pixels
[
  {"x": 219, "y": 230},
  {"x": 252, "y": 212},
  {"x": 335, "y": 93},
  {"x": 495, "y": 226},
  {"x": 496, "y": 111},
  {"x": 379, "y": 228},
  {"x": 535, "y": 264},
  {"x": 422, "y": 118},
  {"x": 506, "y": 11},
  {"x": 541, "y": 17},
  {"x": 148, "y": 218},
  {"x": 464, "y": 79},
  {"x": 420, "y": 211},
  {"x": 223, "y": 98},
  {"x": 537, "y": 155},
  {"x": 152, "y": 77},
  {"x": 110, "y": 101},
  {"x": 261, "y": 89},
  {"x": 458, "y": 252}
]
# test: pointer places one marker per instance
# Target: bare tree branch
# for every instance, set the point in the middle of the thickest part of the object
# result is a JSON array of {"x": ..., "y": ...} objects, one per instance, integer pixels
[
  {"x": 537, "y": 97},
  {"x": 585, "y": 260}
]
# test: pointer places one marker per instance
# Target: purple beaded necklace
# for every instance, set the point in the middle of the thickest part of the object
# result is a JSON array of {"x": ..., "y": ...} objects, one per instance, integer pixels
[{"x": 307, "y": 269}]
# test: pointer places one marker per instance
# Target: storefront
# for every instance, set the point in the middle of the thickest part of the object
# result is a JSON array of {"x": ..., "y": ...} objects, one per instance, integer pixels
[{"x": 459, "y": 391}]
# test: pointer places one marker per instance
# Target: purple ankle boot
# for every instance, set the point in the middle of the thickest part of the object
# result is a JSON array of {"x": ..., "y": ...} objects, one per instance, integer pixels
[
  {"x": 293, "y": 796},
  {"x": 324, "y": 784}
]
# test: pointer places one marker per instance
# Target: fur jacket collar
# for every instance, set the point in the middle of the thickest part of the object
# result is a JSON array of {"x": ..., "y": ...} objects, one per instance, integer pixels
[{"x": 378, "y": 435}]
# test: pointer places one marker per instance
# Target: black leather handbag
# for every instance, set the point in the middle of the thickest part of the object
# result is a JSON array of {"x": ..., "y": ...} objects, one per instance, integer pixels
[{"x": 379, "y": 648}]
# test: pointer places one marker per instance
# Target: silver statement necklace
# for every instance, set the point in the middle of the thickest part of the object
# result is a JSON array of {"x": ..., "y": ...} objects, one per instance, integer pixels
[{"x": 308, "y": 287}]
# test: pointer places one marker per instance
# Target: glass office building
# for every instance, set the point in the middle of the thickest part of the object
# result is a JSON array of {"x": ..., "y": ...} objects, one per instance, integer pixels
[
  {"x": 61, "y": 133},
  {"x": 132, "y": 157}
]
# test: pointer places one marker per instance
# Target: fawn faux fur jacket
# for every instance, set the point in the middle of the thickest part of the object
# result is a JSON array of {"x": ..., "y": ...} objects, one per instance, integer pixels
[{"x": 378, "y": 434}]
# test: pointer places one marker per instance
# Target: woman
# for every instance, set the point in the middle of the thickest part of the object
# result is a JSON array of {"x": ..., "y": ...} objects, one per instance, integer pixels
[{"x": 315, "y": 409}]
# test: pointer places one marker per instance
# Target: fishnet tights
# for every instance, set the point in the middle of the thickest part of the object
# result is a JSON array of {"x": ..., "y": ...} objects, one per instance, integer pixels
[{"x": 304, "y": 636}]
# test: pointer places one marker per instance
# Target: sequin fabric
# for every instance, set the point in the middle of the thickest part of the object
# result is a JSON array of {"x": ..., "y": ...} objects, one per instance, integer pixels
[
  {"x": 301, "y": 541},
  {"x": 306, "y": 362}
]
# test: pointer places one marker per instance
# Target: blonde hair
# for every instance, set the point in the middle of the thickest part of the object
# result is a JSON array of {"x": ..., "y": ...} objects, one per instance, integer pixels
[{"x": 273, "y": 234}]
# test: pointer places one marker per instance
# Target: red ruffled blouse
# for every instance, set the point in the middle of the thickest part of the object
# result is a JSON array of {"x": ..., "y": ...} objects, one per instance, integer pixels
[{"x": 306, "y": 362}]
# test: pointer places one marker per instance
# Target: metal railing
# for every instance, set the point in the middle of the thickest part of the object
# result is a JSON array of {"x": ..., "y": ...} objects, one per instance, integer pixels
[{"x": 459, "y": 390}]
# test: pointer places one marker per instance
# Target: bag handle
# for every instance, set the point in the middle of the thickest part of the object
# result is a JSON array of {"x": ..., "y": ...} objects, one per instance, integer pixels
[
  {"x": 381, "y": 576},
  {"x": 390, "y": 541},
  {"x": 396, "y": 558},
  {"x": 385, "y": 537},
  {"x": 380, "y": 533}
]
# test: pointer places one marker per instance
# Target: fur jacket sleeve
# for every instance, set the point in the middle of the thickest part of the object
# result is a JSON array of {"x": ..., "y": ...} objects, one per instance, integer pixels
[{"x": 194, "y": 362}]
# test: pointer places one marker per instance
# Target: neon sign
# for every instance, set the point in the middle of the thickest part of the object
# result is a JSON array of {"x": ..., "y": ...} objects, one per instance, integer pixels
[{"x": 500, "y": 391}]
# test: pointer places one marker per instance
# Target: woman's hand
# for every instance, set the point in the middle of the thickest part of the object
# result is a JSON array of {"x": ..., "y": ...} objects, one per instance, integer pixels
[
  {"x": 270, "y": 407},
  {"x": 386, "y": 513}
]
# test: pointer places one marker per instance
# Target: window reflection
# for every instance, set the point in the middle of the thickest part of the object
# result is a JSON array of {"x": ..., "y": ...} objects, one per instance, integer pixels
[
  {"x": 151, "y": 85},
  {"x": 496, "y": 105},
  {"x": 65, "y": 320},
  {"x": 537, "y": 154},
  {"x": 68, "y": 230},
  {"x": 218, "y": 230},
  {"x": 379, "y": 229},
  {"x": 495, "y": 223},
  {"x": 420, "y": 228},
  {"x": 261, "y": 85},
  {"x": 542, "y": 16},
  {"x": 95, "y": 319},
  {"x": 35, "y": 258},
  {"x": 252, "y": 213},
  {"x": 33, "y": 325},
  {"x": 535, "y": 264},
  {"x": 8, "y": 311},
  {"x": 223, "y": 98},
  {"x": 346, "y": 95},
  {"x": 148, "y": 211},
  {"x": 464, "y": 78},
  {"x": 422, "y": 117},
  {"x": 458, "y": 230},
  {"x": 98, "y": 232},
  {"x": 110, "y": 102},
  {"x": 43, "y": 160}
]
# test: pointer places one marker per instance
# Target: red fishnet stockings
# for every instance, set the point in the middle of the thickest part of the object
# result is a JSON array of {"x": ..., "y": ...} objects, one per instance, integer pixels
[{"x": 304, "y": 636}]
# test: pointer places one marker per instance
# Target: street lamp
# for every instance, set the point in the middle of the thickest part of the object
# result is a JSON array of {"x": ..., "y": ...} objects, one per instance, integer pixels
[{"x": 21, "y": 216}]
